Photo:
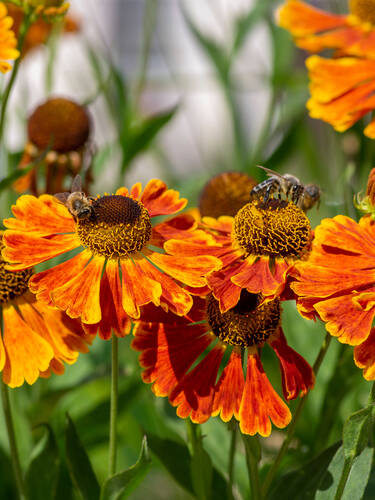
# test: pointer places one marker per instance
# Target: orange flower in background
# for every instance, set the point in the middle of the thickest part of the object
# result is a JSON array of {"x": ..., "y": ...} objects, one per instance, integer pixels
[
  {"x": 115, "y": 269},
  {"x": 225, "y": 345},
  {"x": 257, "y": 247},
  {"x": 8, "y": 41},
  {"x": 341, "y": 88},
  {"x": 36, "y": 340},
  {"x": 336, "y": 284}
]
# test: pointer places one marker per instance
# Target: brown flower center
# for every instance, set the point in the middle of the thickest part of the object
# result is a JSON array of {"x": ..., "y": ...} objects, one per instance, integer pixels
[
  {"x": 275, "y": 228},
  {"x": 118, "y": 227},
  {"x": 363, "y": 9},
  {"x": 60, "y": 124},
  {"x": 225, "y": 194},
  {"x": 12, "y": 283},
  {"x": 247, "y": 324}
]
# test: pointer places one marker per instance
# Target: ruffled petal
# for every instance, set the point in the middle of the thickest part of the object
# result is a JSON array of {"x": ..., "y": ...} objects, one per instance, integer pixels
[
  {"x": 297, "y": 374},
  {"x": 260, "y": 403},
  {"x": 79, "y": 297},
  {"x": 364, "y": 356},
  {"x": 188, "y": 270},
  {"x": 223, "y": 289},
  {"x": 229, "y": 389},
  {"x": 25, "y": 250},
  {"x": 27, "y": 354},
  {"x": 138, "y": 289},
  {"x": 349, "y": 317},
  {"x": 161, "y": 201},
  {"x": 168, "y": 351},
  {"x": 194, "y": 394}
]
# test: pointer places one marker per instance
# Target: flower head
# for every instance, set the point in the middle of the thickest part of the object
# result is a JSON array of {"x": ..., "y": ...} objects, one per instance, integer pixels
[
  {"x": 62, "y": 127},
  {"x": 170, "y": 348},
  {"x": 225, "y": 194},
  {"x": 336, "y": 284},
  {"x": 8, "y": 41},
  {"x": 341, "y": 88},
  {"x": 117, "y": 267},
  {"x": 36, "y": 340},
  {"x": 257, "y": 248}
]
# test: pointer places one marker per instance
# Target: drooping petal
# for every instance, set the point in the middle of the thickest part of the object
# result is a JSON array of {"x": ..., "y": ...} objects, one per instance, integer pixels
[
  {"x": 224, "y": 290},
  {"x": 260, "y": 403},
  {"x": 27, "y": 354},
  {"x": 159, "y": 200},
  {"x": 79, "y": 297},
  {"x": 25, "y": 250},
  {"x": 364, "y": 356},
  {"x": 168, "y": 351},
  {"x": 194, "y": 394},
  {"x": 229, "y": 389},
  {"x": 297, "y": 374},
  {"x": 138, "y": 289}
]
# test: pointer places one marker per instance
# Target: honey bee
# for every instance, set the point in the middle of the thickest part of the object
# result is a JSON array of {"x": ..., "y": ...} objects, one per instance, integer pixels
[
  {"x": 78, "y": 204},
  {"x": 305, "y": 197}
]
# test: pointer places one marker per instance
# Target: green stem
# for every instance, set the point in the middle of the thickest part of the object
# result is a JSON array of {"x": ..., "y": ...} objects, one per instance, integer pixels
[
  {"x": 148, "y": 30},
  {"x": 232, "y": 453},
  {"x": 252, "y": 465},
  {"x": 113, "y": 415},
  {"x": 292, "y": 426},
  {"x": 5, "y": 98}
]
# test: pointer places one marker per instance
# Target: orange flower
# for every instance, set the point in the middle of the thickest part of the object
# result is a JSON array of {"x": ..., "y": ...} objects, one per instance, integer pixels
[
  {"x": 8, "y": 41},
  {"x": 336, "y": 284},
  {"x": 341, "y": 88},
  {"x": 257, "y": 247},
  {"x": 35, "y": 339},
  {"x": 117, "y": 270},
  {"x": 170, "y": 347}
]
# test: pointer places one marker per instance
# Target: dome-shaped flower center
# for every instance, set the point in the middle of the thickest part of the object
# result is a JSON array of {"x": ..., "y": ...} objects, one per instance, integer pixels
[
  {"x": 225, "y": 194},
  {"x": 247, "y": 324},
  {"x": 60, "y": 124},
  {"x": 12, "y": 283},
  {"x": 363, "y": 9},
  {"x": 118, "y": 227},
  {"x": 275, "y": 228}
]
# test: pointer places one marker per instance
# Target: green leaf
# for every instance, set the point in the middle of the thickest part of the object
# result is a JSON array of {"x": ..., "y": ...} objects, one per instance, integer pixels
[
  {"x": 304, "y": 482},
  {"x": 64, "y": 487},
  {"x": 214, "y": 52},
  {"x": 140, "y": 136},
  {"x": 357, "y": 480},
  {"x": 201, "y": 473},
  {"x": 175, "y": 457},
  {"x": 42, "y": 473},
  {"x": 125, "y": 482},
  {"x": 356, "y": 432},
  {"x": 246, "y": 22},
  {"x": 79, "y": 465}
]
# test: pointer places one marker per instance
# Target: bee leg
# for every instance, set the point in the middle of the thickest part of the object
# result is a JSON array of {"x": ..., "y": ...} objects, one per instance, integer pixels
[{"x": 267, "y": 193}]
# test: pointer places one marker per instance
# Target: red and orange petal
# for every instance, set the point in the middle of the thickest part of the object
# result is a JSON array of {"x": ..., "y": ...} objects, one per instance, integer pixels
[
  {"x": 37, "y": 340},
  {"x": 316, "y": 30},
  {"x": 341, "y": 91},
  {"x": 364, "y": 356},
  {"x": 297, "y": 375},
  {"x": 337, "y": 282}
]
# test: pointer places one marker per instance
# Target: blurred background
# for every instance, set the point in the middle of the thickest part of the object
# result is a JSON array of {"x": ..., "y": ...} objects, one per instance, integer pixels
[{"x": 183, "y": 90}]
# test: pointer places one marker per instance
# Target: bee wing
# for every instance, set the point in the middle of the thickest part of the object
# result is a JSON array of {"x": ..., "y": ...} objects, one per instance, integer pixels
[
  {"x": 270, "y": 173},
  {"x": 62, "y": 197},
  {"x": 76, "y": 184}
]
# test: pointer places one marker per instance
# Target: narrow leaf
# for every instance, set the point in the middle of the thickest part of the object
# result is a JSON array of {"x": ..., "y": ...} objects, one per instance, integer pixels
[
  {"x": 246, "y": 22},
  {"x": 201, "y": 473},
  {"x": 42, "y": 473},
  {"x": 79, "y": 465},
  {"x": 356, "y": 432},
  {"x": 126, "y": 481}
]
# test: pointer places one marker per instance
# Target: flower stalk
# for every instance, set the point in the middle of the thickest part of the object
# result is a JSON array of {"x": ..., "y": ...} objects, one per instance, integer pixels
[{"x": 112, "y": 458}]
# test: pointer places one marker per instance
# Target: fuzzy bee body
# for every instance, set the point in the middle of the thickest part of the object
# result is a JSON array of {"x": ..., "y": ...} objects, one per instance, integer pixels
[
  {"x": 78, "y": 204},
  {"x": 305, "y": 197}
]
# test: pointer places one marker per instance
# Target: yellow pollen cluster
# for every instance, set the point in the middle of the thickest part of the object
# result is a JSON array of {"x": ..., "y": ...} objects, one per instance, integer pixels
[
  {"x": 12, "y": 284},
  {"x": 247, "y": 324},
  {"x": 275, "y": 228},
  {"x": 118, "y": 227},
  {"x": 363, "y": 9}
]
